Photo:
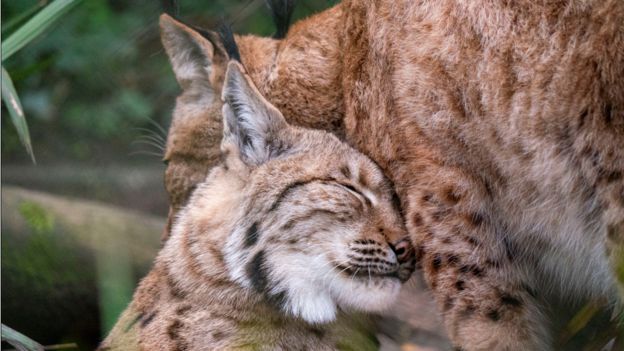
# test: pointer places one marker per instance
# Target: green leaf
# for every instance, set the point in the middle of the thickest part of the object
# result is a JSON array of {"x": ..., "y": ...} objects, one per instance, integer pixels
[
  {"x": 35, "y": 26},
  {"x": 579, "y": 321},
  {"x": 13, "y": 105},
  {"x": 19, "y": 340},
  {"x": 13, "y": 22}
]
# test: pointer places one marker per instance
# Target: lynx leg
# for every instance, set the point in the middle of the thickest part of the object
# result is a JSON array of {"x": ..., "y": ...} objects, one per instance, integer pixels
[
  {"x": 481, "y": 312},
  {"x": 472, "y": 266}
]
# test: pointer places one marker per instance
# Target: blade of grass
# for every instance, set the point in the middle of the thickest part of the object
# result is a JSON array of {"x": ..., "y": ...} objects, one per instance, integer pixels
[
  {"x": 13, "y": 105},
  {"x": 19, "y": 340},
  {"x": 35, "y": 26},
  {"x": 579, "y": 321},
  {"x": 21, "y": 18}
]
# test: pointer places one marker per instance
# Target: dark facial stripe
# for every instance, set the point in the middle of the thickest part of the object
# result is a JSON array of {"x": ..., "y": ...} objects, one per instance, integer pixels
[
  {"x": 258, "y": 273},
  {"x": 291, "y": 187},
  {"x": 252, "y": 235}
]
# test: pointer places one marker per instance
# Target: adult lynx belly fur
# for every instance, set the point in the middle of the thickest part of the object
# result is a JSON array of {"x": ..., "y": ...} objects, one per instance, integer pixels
[
  {"x": 500, "y": 123},
  {"x": 291, "y": 232}
]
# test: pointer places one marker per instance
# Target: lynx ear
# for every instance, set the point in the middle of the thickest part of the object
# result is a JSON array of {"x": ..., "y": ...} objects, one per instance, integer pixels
[
  {"x": 251, "y": 122},
  {"x": 191, "y": 53}
]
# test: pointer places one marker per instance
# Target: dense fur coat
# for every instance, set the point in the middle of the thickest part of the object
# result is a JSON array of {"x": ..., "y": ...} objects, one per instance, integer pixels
[
  {"x": 501, "y": 125},
  {"x": 510, "y": 117},
  {"x": 277, "y": 248}
]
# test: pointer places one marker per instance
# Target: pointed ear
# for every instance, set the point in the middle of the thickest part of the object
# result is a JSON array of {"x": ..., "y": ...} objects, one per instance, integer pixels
[
  {"x": 250, "y": 122},
  {"x": 192, "y": 53}
]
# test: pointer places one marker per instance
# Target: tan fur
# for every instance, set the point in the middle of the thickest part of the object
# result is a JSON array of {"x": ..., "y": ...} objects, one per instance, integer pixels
[
  {"x": 502, "y": 126},
  {"x": 277, "y": 248},
  {"x": 510, "y": 118}
]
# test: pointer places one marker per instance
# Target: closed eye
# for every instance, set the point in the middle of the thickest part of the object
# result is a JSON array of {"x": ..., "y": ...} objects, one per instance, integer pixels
[
  {"x": 353, "y": 189},
  {"x": 312, "y": 214},
  {"x": 330, "y": 181}
]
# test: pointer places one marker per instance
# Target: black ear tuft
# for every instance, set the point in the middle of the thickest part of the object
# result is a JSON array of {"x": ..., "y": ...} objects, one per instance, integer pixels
[
  {"x": 212, "y": 37},
  {"x": 171, "y": 7},
  {"x": 227, "y": 39},
  {"x": 281, "y": 11}
]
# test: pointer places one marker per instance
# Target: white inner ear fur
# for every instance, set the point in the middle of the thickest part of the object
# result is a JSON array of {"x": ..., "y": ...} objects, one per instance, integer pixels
[
  {"x": 250, "y": 120},
  {"x": 190, "y": 54},
  {"x": 249, "y": 125}
]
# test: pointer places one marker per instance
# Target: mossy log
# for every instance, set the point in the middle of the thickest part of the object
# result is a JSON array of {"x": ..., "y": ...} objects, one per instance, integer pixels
[{"x": 69, "y": 266}]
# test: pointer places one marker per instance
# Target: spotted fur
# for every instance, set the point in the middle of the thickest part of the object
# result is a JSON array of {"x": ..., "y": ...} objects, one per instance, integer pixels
[
  {"x": 276, "y": 248},
  {"x": 502, "y": 126}
]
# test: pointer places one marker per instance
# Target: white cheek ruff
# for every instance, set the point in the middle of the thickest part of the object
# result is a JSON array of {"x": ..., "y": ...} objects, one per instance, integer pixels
[
  {"x": 315, "y": 288},
  {"x": 311, "y": 285},
  {"x": 371, "y": 296},
  {"x": 307, "y": 297},
  {"x": 234, "y": 258}
]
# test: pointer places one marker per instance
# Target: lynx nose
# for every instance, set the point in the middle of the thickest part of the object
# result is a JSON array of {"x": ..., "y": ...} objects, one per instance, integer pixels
[{"x": 402, "y": 250}]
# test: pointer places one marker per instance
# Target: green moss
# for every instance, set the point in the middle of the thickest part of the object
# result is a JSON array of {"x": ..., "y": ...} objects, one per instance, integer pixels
[
  {"x": 355, "y": 332},
  {"x": 37, "y": 218},
  {"x": 42, "y": 254}
]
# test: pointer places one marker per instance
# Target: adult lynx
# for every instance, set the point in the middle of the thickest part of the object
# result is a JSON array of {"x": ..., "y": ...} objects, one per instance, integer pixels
[{"x": 500, "y": 123}]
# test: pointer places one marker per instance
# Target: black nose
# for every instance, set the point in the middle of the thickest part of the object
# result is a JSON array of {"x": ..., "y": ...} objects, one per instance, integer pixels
[{"x": 403, "y": 250}]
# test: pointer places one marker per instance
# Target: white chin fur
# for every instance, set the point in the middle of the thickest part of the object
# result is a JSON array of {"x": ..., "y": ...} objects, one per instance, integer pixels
[
  {"x": 374, "y": 296},
  {"x": 315, "y": 294},
  {"x": 313, "y": 307},
  {"x": 308, "y": 298}
]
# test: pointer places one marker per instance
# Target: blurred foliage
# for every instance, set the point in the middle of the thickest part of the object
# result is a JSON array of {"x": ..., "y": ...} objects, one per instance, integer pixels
[
  {"x": 34, "y": 26},
  {"x": 91, "y": 80},
  {"x": 20, "y": 341},
  {"x": 37, "y": 217},
  {"x": 14, "y": 107}
]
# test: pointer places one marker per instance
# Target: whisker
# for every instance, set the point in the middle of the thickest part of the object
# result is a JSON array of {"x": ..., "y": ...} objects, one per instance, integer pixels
[
  {"x": 151, "y": 132},
  {"x": 335, "y": 274},
  {"x": 153, "y": 139},
  {"x": 154, "y": 136},
  {"x": 149, "y": 143},
  {"x": 143, "y": 152},
  {"x": 354, "y": 273},
  {"x": 161, "y": 129}
]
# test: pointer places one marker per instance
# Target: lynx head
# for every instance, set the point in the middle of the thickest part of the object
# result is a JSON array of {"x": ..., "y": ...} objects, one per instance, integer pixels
[
  {"x": 297, "y": 73},
  {"x": 318, "y": 226}
]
